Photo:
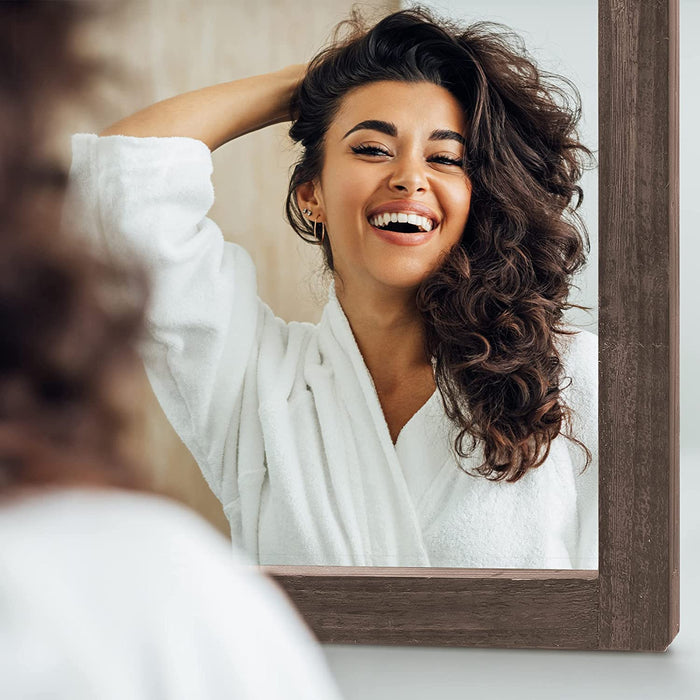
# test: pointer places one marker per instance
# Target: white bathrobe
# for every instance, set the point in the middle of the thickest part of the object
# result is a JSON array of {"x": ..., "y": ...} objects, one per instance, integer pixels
[
  {"x": 112, "y": 595},
  {"x": 284, "y": 418}
]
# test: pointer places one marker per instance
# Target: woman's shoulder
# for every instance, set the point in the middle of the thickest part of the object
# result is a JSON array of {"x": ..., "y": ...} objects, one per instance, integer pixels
[
  {"x": 297, "y": 333},
  {"x": 155, "y": 566},
  {"x": 114, "y": 513}
]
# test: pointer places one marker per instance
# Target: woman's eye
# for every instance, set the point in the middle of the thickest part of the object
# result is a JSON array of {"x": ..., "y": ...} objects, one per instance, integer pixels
[
  {"x": 376, "y": 151},
  {"x": 447, "y": 160},
  {"x": 369, "y": 150}
]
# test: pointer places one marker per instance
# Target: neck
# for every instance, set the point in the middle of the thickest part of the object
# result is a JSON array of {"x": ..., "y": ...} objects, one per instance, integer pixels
[{"x": 390, "y": 335}]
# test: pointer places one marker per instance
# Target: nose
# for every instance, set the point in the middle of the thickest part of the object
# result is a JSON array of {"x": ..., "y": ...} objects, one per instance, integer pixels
[{"x": 408, "y": 175}]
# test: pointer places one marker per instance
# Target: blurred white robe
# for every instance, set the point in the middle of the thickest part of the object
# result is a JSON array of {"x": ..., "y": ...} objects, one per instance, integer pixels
[{"x": 127, "y": 596}]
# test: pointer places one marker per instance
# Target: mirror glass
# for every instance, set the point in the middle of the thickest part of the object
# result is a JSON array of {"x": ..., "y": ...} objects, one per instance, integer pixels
[{"x": 341, "y": 470}]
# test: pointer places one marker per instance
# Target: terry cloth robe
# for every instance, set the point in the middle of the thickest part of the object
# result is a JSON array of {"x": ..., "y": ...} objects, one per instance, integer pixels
[{"x": 284, "y": 418}]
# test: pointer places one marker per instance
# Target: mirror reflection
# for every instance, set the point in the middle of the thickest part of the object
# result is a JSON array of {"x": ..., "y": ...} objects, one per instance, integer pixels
[{"x": 441, "y": 410}]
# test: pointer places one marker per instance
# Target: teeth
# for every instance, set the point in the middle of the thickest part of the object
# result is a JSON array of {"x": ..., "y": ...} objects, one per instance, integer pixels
[{"x": 382, "y": 220}]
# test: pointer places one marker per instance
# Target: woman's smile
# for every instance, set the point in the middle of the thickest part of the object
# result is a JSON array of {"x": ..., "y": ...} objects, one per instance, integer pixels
[
  {"x": 397, "y": 237},
  {"x": 404, "y": 222},
  {"x": 394, "y": 156}
]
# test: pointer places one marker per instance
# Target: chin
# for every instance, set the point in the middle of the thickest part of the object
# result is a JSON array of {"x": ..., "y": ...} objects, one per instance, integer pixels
[{"x": 403, "y": 280}]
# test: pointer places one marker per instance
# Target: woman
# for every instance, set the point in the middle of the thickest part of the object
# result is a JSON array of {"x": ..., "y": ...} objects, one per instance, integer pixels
[
  {"x": 435, "y": 175},
  {"x": 105, "y": 592}
]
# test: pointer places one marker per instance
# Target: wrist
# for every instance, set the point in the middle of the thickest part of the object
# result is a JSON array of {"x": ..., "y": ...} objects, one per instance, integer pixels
[{"x": 289, "y": 78}]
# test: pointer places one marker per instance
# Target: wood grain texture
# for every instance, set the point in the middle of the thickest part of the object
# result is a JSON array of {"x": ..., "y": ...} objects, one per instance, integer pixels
[
  {"x": 638, "y": 417},
  {"x": 448, "y": 607}
]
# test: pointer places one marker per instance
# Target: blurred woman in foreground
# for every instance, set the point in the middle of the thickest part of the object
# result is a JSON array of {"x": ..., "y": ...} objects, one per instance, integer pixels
[{"x": 104, "y": 591}]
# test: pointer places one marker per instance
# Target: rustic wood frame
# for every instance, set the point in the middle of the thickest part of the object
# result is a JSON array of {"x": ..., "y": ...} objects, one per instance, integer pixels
[{"x": 632, "y": 601}]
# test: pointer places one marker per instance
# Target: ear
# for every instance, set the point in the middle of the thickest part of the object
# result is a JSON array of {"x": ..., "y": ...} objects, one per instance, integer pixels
[{"x": 308, "y": 197}]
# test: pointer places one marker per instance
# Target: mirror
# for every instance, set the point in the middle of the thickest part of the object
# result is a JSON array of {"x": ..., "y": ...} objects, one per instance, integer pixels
[{"x": 376, "y": 498}]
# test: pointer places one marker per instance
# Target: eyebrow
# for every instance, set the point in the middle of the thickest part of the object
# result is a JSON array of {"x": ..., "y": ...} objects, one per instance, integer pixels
[{"x": 389, "y": 128}]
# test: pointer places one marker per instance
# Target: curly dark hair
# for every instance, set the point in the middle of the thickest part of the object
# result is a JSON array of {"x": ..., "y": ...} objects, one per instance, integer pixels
[
  {"x": 494, "y": 306},
  {"x": 70, "y": 322}
]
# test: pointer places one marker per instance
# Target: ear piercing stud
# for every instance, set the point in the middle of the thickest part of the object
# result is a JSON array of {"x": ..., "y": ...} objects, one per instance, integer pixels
[{"x": 323, "y": 228}]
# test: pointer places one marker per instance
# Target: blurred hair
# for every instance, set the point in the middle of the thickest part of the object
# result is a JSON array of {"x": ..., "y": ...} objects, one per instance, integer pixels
[
  {"x": 493, "y": 307},
  {"x": 70, "y": 322}
]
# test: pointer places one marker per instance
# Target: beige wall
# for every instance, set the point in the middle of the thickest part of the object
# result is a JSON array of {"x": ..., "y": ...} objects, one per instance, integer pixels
[{"x": 166, "y": 47}]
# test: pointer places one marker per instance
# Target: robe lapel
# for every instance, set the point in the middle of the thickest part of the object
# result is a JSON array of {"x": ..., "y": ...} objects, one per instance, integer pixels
[{"x": 380, "y": 492}]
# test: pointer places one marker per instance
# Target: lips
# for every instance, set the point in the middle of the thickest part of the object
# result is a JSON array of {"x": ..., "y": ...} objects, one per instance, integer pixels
[{"x": 404, "y": 239}]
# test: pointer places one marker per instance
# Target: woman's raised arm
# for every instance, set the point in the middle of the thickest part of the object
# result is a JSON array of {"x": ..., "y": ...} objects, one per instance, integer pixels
[
  {"x": 139, "y": 193},
  {"x": 219, "y": 113}
]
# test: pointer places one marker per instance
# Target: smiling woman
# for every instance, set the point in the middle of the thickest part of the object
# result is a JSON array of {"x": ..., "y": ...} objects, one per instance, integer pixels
[
  {"x": 399, "y": 168},
  {"x": 381, "y": 168},
  {"x": 436, "y": 173}
]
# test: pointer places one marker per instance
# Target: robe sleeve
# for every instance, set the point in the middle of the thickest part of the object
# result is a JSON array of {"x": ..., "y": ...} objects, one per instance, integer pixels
[
  {"x": 582, "y": 397},
  {"x": 149, "y": 198}
]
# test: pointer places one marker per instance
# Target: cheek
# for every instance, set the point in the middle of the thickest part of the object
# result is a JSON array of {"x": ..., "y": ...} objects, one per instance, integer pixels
[
  {"x": 349, "y": 197},
  {"x": 462, "y": 202},
  {"x": 458, "y": 214}
]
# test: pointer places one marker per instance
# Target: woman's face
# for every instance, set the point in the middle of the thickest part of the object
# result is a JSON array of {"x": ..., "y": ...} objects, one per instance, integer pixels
[{"x": 406, "y": 161}]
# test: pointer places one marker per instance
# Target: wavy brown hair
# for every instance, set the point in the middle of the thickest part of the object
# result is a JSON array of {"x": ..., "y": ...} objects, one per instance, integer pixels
[
  {"x": 70, "y": 322},
  {"x": 493, "y": 308}
]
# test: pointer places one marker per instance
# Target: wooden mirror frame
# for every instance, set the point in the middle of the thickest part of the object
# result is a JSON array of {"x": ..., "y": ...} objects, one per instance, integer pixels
[{"x": 632, "y": 601}]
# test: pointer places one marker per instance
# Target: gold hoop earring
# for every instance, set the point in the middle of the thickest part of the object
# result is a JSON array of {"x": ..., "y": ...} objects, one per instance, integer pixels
[
  {"x": 323, "y": 232},
  {"x": 323, "y": 228}
]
